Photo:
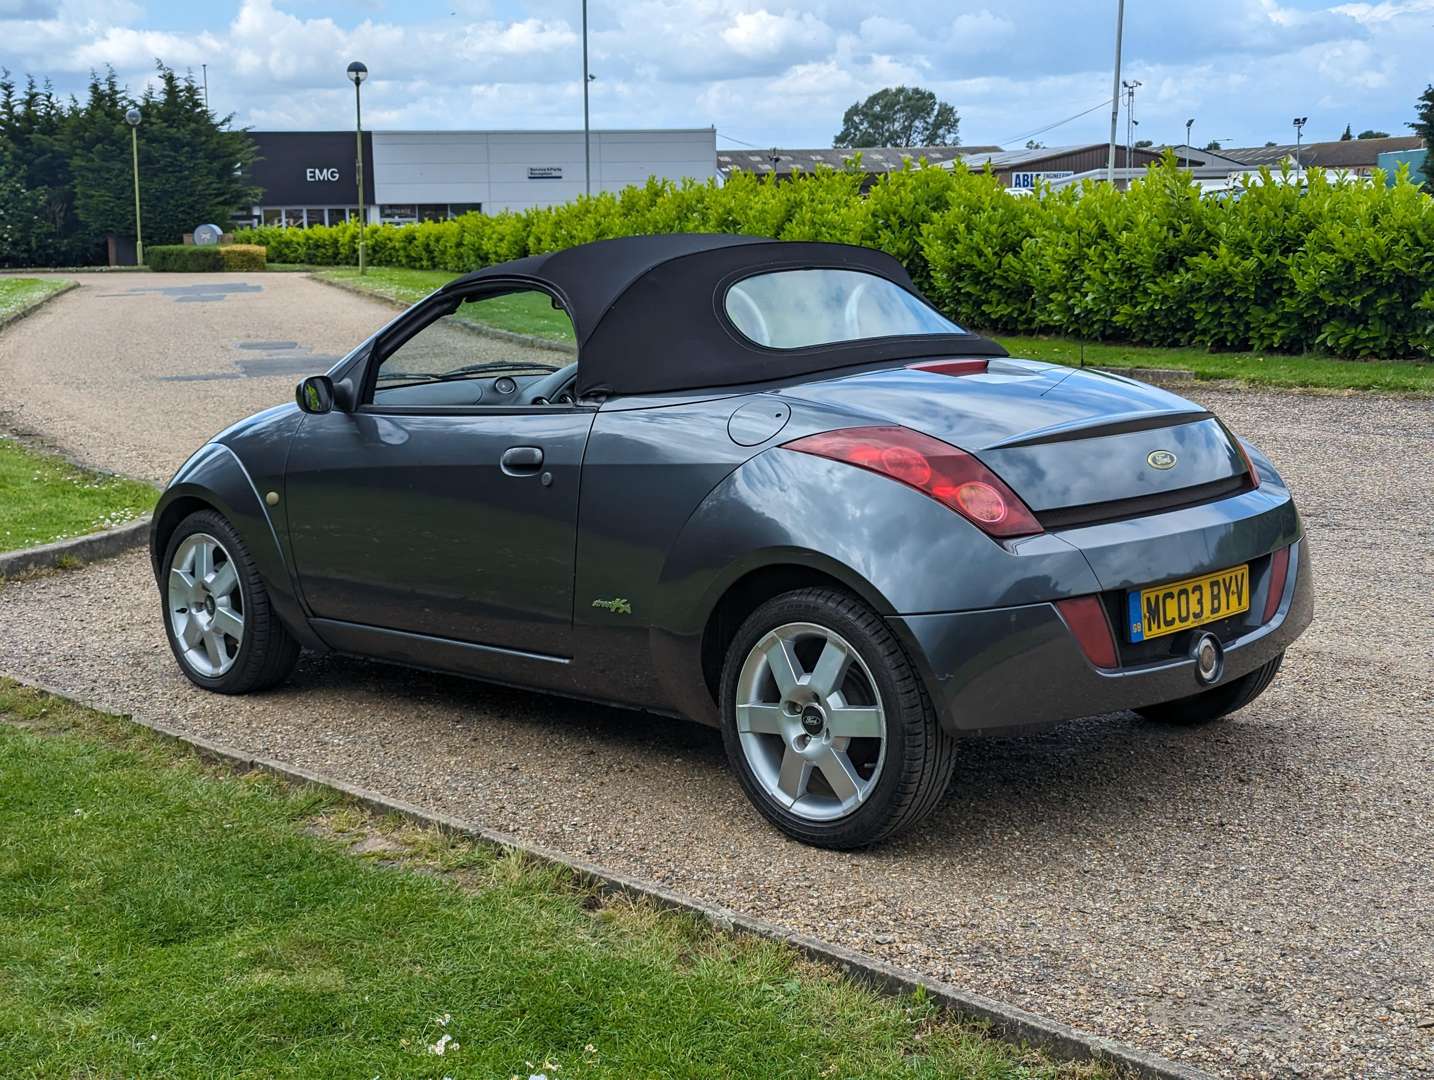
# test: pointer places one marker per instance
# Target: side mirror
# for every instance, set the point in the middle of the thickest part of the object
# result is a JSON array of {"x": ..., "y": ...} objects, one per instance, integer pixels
[{"x": 315, "y": 394}]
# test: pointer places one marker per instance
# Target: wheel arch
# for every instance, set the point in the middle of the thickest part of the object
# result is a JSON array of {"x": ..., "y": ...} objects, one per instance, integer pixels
[
  {"x": 215, "y": 479},
  {"x": 745, "y": 595}
]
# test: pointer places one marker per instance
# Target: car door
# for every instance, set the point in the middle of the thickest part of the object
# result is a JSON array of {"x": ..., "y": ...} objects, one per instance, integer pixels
[{"x": 445, "y": 507}]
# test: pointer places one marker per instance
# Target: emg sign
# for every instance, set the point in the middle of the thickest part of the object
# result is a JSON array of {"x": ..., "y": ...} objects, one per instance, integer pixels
[{"x": 315, "y": 176}]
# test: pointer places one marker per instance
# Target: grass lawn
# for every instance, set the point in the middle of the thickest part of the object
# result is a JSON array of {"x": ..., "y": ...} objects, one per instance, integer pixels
[
  {"x": 43, "y": 498},
  {"x": 18, "y": 294},
  {"x": 531, "y": 314},
  {"x": 1260, "y": 369},
  {"x": 523, "y": 313},
  {"x": 161, "y": 918}
]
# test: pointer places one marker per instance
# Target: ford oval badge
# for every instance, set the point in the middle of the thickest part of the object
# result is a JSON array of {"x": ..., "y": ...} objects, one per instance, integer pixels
[{"x": 1161, "y": 459}]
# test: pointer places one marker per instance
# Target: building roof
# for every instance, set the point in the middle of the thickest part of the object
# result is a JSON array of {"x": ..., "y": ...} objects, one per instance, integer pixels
[
  {"x": 1001, "y": 160},
  {"x": 1198, "y": 156},
  {"x": 874, "y": 159},
  {"x": 1342, "y": 154}
]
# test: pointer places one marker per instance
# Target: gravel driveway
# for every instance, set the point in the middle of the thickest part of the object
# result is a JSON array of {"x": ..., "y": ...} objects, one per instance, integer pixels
[{"x": 1255, "y": 897}]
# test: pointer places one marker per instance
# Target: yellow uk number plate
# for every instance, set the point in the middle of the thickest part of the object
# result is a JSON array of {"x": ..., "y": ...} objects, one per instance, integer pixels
[{"x": 1192, "y": 602}]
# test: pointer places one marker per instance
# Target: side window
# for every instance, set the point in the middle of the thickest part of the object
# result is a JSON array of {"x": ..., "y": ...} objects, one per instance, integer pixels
[{"x": 476, "y": 355}]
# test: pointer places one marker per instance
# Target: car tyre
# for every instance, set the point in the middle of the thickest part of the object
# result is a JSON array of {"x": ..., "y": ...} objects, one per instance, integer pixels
[
  {"x": 217, "y": 615},
  {"x": 808, "y": 754},
  {"x": 1211, "y": 705}
]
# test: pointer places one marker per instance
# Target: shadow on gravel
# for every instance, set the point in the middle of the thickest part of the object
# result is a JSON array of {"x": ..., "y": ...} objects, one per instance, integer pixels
[{"x": 1101, "y": 776}]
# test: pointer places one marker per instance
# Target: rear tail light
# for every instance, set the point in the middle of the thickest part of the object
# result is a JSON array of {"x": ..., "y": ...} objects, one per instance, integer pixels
[
  {"x": 950, "y": 476},
  {"x": 1279, "y": 571},
  {"x": 1085, "y": 615}
]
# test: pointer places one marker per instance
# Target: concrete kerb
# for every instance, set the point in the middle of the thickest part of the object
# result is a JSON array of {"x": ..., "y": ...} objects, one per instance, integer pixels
[
  {"x": 79, "y": 549},
  {"x": 24, "y": 312},
  {"x": 1008, "y": 1022}
]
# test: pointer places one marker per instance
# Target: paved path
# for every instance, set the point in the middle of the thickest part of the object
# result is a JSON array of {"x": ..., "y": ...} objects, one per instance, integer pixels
[
  {"x": 133, "y": 372},
  {"x": 1255, "y": 897}
]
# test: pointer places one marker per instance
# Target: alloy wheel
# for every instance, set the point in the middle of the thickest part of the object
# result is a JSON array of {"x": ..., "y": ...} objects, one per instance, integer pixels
[
  {"x": 206, "y": 605},
  {"x": 810, "y": 721}
]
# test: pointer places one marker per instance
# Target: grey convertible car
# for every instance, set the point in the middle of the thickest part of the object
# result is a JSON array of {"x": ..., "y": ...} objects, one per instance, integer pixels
[{"x": 761, "y": 485}]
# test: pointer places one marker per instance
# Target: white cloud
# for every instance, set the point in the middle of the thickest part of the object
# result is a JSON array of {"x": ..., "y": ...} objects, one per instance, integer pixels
[
  {"x": 881, "y": 32},
  {"x": 762, "y": 35},
  {"x": 768, "y": 71},
  {"x": 981, "y": 30}
]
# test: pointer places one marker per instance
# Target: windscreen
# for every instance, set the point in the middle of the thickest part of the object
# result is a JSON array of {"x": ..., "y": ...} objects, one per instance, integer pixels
[{"x": 794, "y": 309}]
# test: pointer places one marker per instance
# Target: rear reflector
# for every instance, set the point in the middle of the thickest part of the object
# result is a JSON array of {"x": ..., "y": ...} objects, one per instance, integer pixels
[
  {"x": 953, "y": 367},
  {"x": 950, "y": 476},
  {"x": 1279, "y": 571},
  {"x": 1085, "y": 615}
]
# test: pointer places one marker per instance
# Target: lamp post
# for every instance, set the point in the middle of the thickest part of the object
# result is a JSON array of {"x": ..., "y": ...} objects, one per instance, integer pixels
[
  {"x": 1115, "y": 91},
  {"x": 132, "y": 117},
  {"x": 357, "y": 74},
  {"x": 587, "y": 131},
  {"x": 1188, "y": 125},
  {"x": 1300, "y": 122}
]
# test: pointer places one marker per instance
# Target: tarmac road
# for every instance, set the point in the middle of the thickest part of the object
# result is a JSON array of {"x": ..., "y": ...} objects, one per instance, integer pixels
[{"x": 1255, "y": 897}]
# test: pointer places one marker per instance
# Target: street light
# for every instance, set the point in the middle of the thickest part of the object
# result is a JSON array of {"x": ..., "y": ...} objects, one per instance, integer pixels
[
  {"x": 587, "y": 132},
  {"x": 1188, "y": 125},
  {"x": 1130, "y": 121},
  {"x": 132, "y": 117},
  {"x": 1300, "y": 122},
  {"x": 1115, "y": 92},
  {"x": 357, "y": 74}
]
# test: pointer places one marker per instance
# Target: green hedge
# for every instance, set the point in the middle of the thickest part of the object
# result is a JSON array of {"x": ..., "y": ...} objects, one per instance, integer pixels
[
  {"x": 242, "y": 256},
  {"x": 1338, "y": 266},
  {"x": 183, "y": 258},
  {"x": 194, "y": 259}
]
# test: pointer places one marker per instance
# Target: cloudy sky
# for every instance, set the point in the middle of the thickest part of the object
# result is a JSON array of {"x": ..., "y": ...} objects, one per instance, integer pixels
[{"x": 761, "y": 71}]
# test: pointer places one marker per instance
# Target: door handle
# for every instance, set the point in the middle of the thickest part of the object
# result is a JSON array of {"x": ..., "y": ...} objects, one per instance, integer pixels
[{"x": 521, "y": 460}]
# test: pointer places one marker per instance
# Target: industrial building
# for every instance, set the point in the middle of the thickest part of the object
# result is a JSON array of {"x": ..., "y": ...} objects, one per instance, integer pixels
[
  {"x": 307, "y": 177},
  {"x": 1356, "y": 157}
]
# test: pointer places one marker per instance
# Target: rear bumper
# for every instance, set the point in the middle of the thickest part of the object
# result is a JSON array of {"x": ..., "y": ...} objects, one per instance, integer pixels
[{"x": 1009, "y": 668}]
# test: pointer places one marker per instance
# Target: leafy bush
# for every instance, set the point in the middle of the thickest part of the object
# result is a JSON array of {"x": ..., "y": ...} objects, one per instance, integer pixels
[
  {"x": 242, "y": 256},
  {"x": 1343, "y": 266},
  {"x": 183, "y": 258}
]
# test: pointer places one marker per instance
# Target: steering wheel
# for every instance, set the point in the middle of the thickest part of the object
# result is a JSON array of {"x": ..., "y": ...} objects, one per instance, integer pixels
[
  {"x": 545, "y": 389},
  {"x": 752, "y": 314}
]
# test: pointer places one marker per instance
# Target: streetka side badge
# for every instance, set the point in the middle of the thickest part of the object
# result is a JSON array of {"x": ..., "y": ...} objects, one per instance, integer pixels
[
  {"x": 618, "y": 605},
  {"x": 1161, "y": 459}
]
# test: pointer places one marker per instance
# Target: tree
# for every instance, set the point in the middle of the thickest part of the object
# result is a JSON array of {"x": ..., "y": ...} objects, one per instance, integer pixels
[
  {"x": 1424, "y": 128},
  {"x": 1370, "y": 133},
  {"x": 900, "y": 116},
  {"x": 66, "y": 177},
  {"x": 192, "y": 170},
  {"x": 1032, "y": 144},
  {"x": 1348, "y": 134},
  {"x": 1141, "y": 144},
  {"x": 44, "y": 231},
  {"x": 1213, "y": 145}
]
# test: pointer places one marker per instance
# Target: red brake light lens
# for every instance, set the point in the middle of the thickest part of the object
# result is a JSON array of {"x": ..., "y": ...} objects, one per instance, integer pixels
[
  {"x": 953, "y": 367},
  {"x": 1279, "y": 571},
  {"x": 1086, "y": 618},
  {"x": 950, "y": 476}
]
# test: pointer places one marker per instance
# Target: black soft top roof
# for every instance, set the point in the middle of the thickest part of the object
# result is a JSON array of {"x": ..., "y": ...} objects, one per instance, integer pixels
[{"x": 648, "y": 310}]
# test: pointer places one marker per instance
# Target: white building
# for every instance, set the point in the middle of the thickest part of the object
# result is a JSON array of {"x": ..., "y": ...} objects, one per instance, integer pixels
[{"x": 308, "y": 177}]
